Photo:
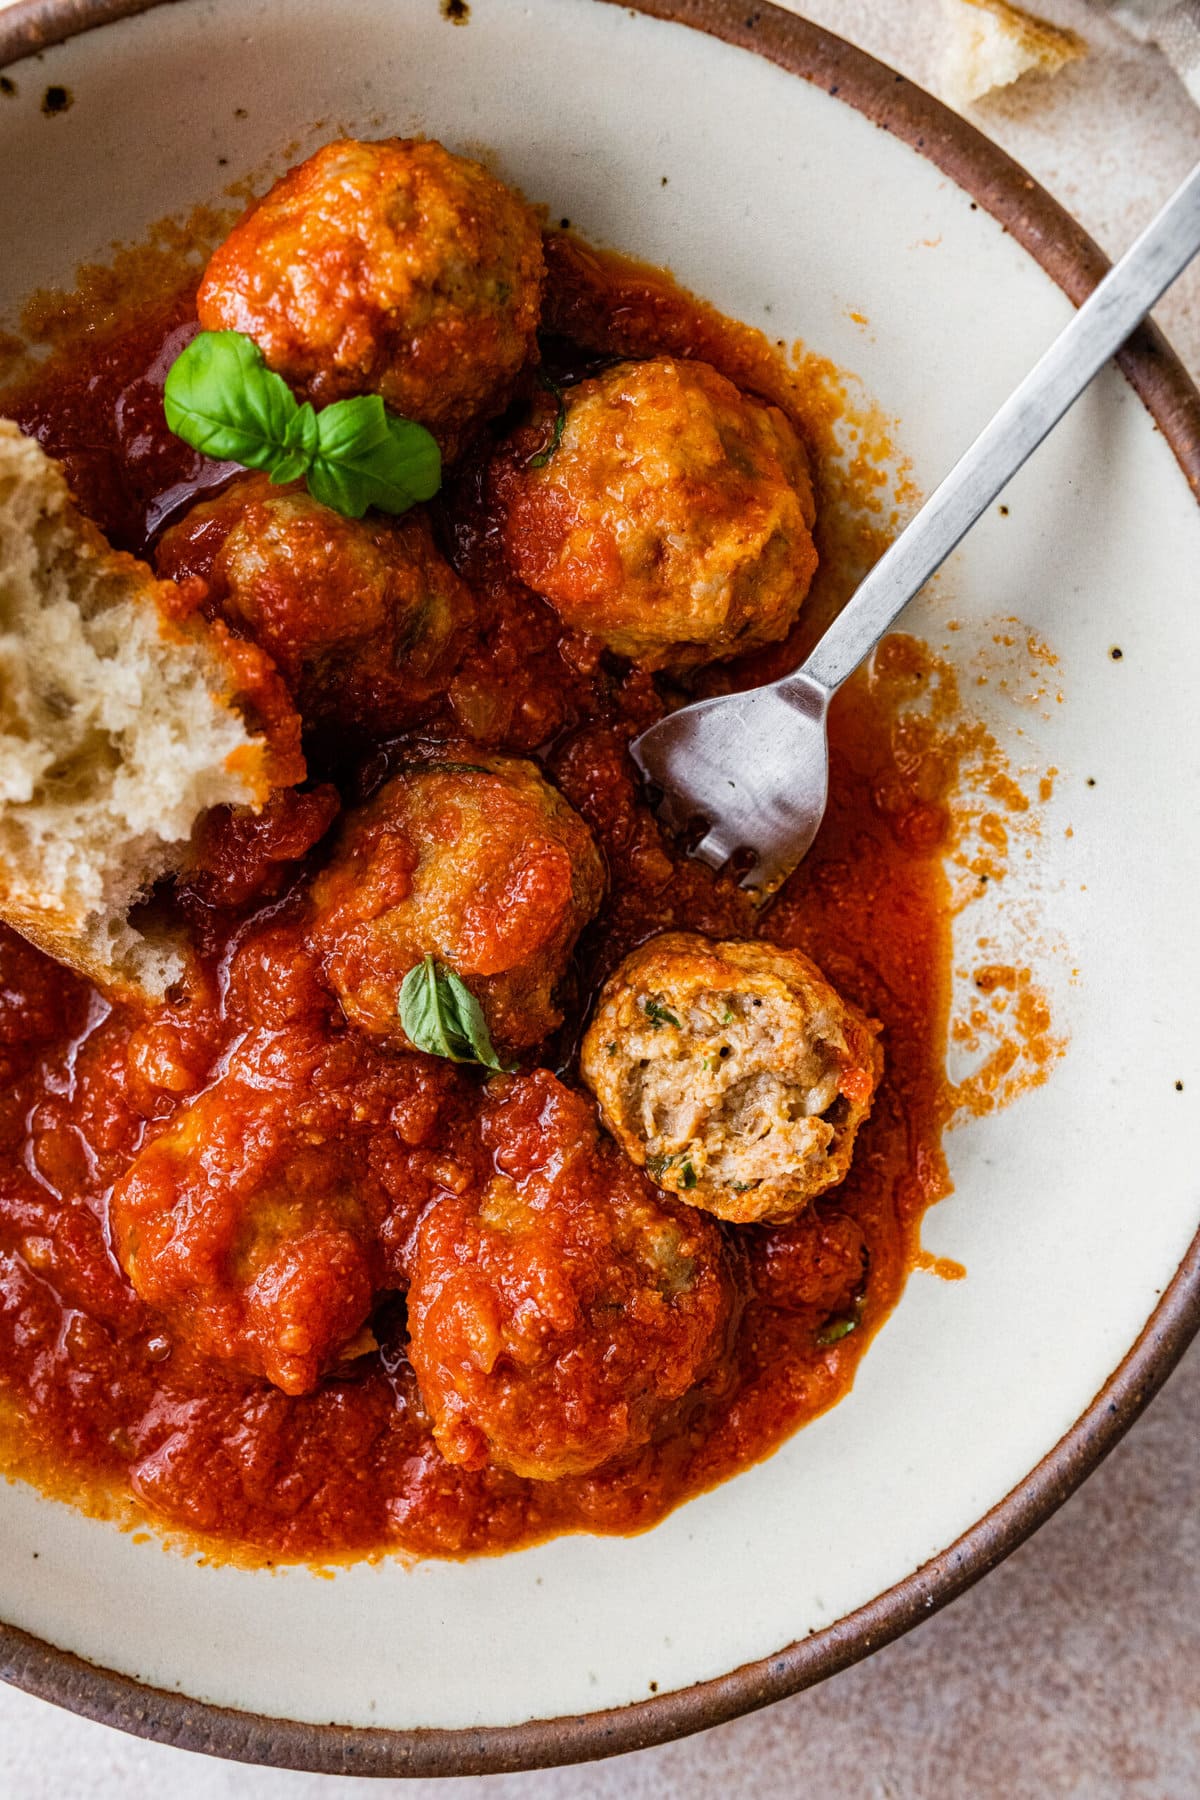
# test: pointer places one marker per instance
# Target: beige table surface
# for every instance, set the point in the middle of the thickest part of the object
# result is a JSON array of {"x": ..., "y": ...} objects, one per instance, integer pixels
[{"x": 1073, "y": 1670}]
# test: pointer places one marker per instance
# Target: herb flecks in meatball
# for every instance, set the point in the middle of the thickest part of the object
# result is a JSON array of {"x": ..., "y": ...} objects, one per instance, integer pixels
[
  {"x": 673, "y": 520},
  {"x": 362, "y": 617},
  {"x": 479, "y": 863},
  {"x": 260, "y": 1222},
  {"x": 558, "y": 1315},
  {"x": 733, "y": 1072},
  {"x": 393, "y": 268}
]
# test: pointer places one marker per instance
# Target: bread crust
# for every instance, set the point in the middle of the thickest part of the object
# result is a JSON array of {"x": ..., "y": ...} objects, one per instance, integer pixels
[{"x": 993, "y": 43}]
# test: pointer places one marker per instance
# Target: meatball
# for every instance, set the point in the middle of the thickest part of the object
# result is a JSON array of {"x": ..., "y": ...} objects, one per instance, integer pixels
[
  {"x": 674, "y": 519},
  {"x": 558, "y": 1314},
  {"x": 361, "y": 616},
  {"x": 392, "y": 268},
  {"x": 258, "y": 1222},
  {"x": 732, "y": 1072},
  {"x": 479, "y": 863}
]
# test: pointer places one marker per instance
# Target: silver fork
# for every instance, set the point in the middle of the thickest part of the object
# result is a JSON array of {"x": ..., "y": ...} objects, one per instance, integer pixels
[{"x": 754, "y": 766}]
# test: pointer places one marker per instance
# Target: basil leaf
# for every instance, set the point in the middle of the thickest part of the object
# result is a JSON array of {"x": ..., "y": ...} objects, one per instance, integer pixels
[
  {"x": 441, "y": 1016},
  {"x": 835, "y": 1330},
  {"x": 660, "y": 1015},
  {"x": 366, "y": 456},
  {"x": 221, "y": 398},
  {"x": 560, "y": 420}
]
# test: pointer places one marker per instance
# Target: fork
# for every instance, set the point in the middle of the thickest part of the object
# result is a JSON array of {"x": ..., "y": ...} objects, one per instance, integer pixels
[{"x": 746, "y": 775}]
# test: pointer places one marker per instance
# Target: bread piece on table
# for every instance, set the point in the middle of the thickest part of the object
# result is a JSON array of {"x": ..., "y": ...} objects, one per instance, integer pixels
[
  {"x": 991, "y": 44},
  {"x": 120, "y": 725}
]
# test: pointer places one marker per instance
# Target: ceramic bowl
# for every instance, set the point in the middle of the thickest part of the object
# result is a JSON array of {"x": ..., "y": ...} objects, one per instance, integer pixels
[{"x": 796, "y": 184}]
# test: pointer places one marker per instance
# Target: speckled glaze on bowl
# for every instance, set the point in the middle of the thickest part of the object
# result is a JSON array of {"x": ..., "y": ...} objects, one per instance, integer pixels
[{"x": 804, "y": 184}]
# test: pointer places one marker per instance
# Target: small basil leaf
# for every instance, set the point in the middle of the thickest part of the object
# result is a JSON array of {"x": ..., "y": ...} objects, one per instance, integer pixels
[
  {"x": 367, "y": 456},
  {"x": 440, "y": 1015},
  {"x": 660, "y": 1015},
  {"x": 560, "y": 420},
  {"x": 221, "y": 398},
  {"x": 835, "y": 1330},
  {"x": 421, "y": 1010}
]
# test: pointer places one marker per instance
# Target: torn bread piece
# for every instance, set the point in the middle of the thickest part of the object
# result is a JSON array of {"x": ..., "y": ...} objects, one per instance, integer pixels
[
  {"x": 991, "y": 44},
  {"x": 122, "y": 720}
]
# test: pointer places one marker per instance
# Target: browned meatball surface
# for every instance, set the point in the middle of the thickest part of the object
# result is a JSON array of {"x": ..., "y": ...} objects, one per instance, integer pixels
[
  {"x": 479, "y": 863},
  {"x": 733, "y": 1072},
  {"x": 558, "y": 1315},
  {"x": 262, "y": 1221},
  {"x": 361, "y": 616},
  {"x": 393, "y": 268},
  {"x": 673, "y": 520}
]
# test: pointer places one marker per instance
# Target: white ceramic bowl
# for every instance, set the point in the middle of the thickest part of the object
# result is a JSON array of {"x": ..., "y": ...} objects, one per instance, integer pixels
[{"x": 982, "y": 1403}]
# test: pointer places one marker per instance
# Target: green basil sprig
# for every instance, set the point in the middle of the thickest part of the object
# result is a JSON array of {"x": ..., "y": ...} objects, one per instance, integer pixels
[
  {"x": 441, "y": 1016},
  {"x": 221, "y": 398}
]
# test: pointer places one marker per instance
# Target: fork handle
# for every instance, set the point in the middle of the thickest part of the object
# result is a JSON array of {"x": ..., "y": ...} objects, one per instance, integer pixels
[{"x": 1096, "y": 332}]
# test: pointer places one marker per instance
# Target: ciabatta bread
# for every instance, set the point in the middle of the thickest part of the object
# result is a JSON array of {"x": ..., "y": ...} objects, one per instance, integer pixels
[
  {"x": 990, "y": 44},
  {"x": 122, "y": 721}
]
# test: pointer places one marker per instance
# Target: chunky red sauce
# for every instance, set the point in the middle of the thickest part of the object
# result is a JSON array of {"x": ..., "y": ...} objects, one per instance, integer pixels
[{"x": 97, "y": 1395}]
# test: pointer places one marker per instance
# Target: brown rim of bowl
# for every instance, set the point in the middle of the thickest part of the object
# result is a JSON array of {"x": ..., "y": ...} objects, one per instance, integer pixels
[{"x": 1004, "y": 189}]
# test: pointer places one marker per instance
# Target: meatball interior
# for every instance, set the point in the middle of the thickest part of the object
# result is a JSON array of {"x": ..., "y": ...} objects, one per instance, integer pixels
[
  {"x": 481, "y": 864},
  {"x": 674, "y": 519},
  {"x": 560, "y": 1311},
  {"x": 733, "y": 1072},
  {"x": 361, "y": 616},
  {"x": 264, "y": 1219},
  {"x": 393, "y": 268}
]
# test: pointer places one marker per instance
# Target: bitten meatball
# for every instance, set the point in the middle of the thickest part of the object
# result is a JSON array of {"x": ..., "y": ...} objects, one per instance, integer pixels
[
  {"x": 673, "y": 520},
  {"x": 479, "y": 863},
  {"x": 361, "y": 616},
  {"x": 732, "y": 1072},
  {"x": 392, "y": 268},
  {"x": 258, "y": 1222},
  {"x": 559, "y": 1314}
]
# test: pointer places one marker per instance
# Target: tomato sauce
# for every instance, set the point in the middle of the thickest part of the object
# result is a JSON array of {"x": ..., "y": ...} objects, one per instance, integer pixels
[{"x": 100, "y": 1401}]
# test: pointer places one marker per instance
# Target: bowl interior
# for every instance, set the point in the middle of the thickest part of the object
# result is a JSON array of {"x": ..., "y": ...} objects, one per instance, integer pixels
[{"x": 1073, "y": 1207}]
